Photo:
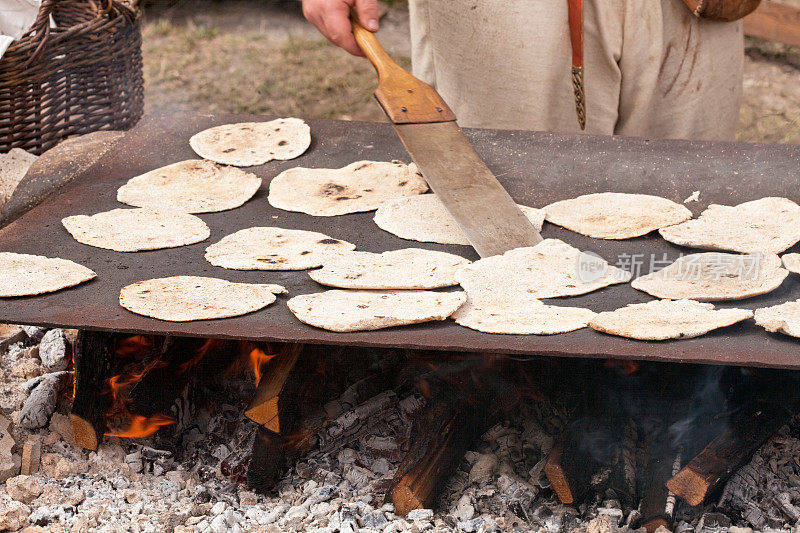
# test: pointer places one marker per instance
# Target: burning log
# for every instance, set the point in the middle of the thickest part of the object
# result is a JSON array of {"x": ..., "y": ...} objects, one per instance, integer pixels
[
  {"x": 569, "y": 471},
  {"x": 465, "y": 398},
  {"x": 731, "y": 449},
  {"x": 440, "y": 435},
  {"x": 301, "y": 404},
  {"x": 94, "y": 358},
  {"x": 271, "y": 374},
  {"x": 657, "y": 506}
]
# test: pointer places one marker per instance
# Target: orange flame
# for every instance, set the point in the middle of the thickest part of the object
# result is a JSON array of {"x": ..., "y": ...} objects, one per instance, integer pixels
[
  {"x": 201, "y": 353},
  {"x": 132, "y": 345},
  {"x": 121, "y": 385},
  {"x": 258, "y": 358},
  {"x": 142, "y": 426}
]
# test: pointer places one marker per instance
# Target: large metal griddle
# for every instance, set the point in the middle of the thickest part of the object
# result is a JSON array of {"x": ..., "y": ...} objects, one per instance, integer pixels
[{"x": 555, "y": 166}]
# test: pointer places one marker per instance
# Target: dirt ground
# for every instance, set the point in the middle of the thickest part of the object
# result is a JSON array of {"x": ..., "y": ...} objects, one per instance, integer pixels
[{"x": 260, "y": 56}]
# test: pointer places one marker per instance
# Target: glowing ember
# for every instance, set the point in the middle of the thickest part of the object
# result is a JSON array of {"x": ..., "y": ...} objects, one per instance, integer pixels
[
  {"x": 133, "y": 345},
  {"x": 626, "y": 368}
]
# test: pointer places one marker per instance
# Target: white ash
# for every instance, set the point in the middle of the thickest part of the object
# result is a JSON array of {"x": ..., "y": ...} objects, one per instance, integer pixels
[{"x": 191, "y": 478}]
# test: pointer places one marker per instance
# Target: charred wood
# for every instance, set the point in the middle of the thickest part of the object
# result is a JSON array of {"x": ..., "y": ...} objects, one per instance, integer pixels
[
  {"x": 263, "y": 409},
  {"x": 94, "y": 357},
  {"x": 729, "y": 450}
]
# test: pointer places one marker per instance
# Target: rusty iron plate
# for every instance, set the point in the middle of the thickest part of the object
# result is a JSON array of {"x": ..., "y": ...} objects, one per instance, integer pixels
[{"x": 536, "y": 168}]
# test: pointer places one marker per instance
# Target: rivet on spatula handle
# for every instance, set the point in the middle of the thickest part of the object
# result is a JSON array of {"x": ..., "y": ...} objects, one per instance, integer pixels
[{"x": 404, "y": 98}]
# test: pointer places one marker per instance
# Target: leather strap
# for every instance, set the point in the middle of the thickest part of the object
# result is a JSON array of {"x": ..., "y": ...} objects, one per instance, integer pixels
[{"x": 575, "y": 8}]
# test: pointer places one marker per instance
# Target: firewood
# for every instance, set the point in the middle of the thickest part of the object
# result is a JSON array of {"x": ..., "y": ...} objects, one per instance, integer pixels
[
  {"x": 94, "y": 358},
  {"x": 31, "y": 455},
  {"x": 307, "y": 388},
  {"x": 731, "y": 449},
  {"x": 569, "y": 472},
  {"x": 440, "y": 435},
  {"x": 657, "y": 506},
  {"x": 263, "y": 408}
]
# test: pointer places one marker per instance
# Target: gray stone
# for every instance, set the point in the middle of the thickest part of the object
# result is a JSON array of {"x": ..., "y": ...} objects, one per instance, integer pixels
[
  {"x": 420, "y": 514},
  {"x": 53, "y": 351}
]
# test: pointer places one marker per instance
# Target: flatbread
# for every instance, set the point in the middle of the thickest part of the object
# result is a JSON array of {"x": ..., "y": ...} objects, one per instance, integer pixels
[
  {"x": 193, "y": 186},
  {"x": 186, "y": 298},
  {"x": 667, "y": 319},
  {"x": 769, "y": 225},
  {"x": 424, "y": 218},
  {"x": 341, "y": 311},
  {"x": 550, "y": 269},
  {"x": 268, "y": 248},
  {"x": 783, "y": 318},
  {"x": 522, "y": 315},
  {"x": 616, "y": 215},
  {"x": 132, "y": 230},
  {"x": 253, "y": 143},
  {"x": 791, "y": 262},
  {"x": 714, "y": 276},
  {"x": 28, "y": 275},
  {"x": 409, "y": 268},
  {"x": 358, "y": 187}
]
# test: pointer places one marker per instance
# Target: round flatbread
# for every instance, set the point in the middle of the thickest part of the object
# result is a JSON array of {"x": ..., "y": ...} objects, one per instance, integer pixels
[
  {"x": 550, "y": 269},
  {"x": 268, "y": 248},
  {"x": 132, "y": 230},
  {"x": 714, "y": 276},
  {"x": 192, "y": 186},
  {"x": 667, "y": 319},
  {"x": 791, "y": 262},
  {"x": 410, "y": 268},
  {"x": 783, "y": 318},
  {"x": 28, "y": 275},
  {"x": 424, "y": 218},
  {"x": 523, "y": 315},
  {"x": 186, "y": 298},
  {"x": 616, "y": 215},
  {"x": 768, "y": 225},
  {"x": 253, "y": 143},
  {"x": 358, "y": 187},
  {"x": 341, "y": 311}
]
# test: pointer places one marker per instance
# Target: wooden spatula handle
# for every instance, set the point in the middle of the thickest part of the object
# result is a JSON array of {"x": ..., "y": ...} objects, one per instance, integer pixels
[{"x": 404, "y": 98}]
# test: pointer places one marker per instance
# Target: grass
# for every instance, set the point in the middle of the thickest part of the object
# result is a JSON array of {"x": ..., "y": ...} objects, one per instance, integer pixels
[{"x": 197, "y": 67}]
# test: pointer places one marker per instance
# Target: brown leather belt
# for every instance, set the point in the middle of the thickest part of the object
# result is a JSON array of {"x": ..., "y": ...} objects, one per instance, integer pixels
[{"x": 576, "y": 39}]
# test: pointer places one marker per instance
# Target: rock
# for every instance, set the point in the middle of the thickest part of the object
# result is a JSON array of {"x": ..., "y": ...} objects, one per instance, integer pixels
[
  {"x": 55, "y": 466},
  {"x": 662, "y": 529},
  {"x": 34, "y": 333},
  {"x": 9, "y": 334},
  {"x": 42, "y": 401},
  {"x": 601, "y": 524},
  {"x": 26, "y": 368},
  {"x": 614, "y": 513},
  {"x": 483, "y": 468},
  {"x": 374, "y": 520},
  {"x": 381, "y": 466},
  {"x": 464, "y": 510},
  {"x": 13, "y": 514},
  {"x": 9, "y": 462},
  {"x": 419, "y": 514},
  {"x": 24, "y": 489},
  {"x": 62, "y": 425},
  {"x": 53, "y": 351}
]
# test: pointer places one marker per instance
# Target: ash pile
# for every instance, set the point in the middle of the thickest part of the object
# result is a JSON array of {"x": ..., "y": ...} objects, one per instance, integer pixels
[{"x": 230, "y": 436}]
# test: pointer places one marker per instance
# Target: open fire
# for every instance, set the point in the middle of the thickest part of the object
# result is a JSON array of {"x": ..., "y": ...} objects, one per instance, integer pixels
[{"x": 660, "y": 438}]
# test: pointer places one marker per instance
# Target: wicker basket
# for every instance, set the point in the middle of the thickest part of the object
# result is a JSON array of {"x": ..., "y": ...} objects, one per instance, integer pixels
[{"x": 83, "y": 75}]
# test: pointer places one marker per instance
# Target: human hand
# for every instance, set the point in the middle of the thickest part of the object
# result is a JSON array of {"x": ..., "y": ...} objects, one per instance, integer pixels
[{"x": 332, "y": 19}]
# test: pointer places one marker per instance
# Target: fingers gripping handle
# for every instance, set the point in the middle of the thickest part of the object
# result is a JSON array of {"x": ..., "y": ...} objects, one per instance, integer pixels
[{"x": 404, "y": 98}]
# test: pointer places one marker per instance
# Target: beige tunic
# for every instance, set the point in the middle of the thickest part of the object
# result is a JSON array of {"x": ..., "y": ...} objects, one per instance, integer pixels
[{"x": 651, "y": 68}]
